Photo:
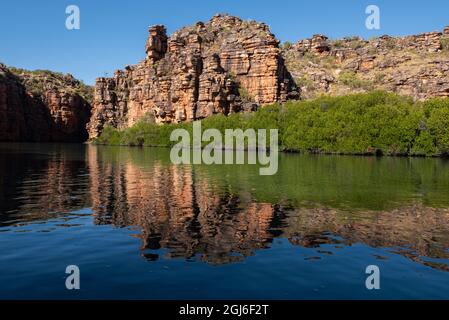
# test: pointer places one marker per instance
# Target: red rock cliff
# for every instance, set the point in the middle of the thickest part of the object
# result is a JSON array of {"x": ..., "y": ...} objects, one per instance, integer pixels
[
  {"x": 224, "y": 66},
  {"x": 42, "y": 106}
]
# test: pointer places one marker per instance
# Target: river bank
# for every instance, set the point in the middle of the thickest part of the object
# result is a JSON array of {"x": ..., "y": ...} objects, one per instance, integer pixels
[{"x": 375, "y": 123}]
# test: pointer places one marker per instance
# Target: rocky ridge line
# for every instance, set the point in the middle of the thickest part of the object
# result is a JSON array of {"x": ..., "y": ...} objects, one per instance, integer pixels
[
  {"x": 224, "y": 66},
  {"x": 415, "y": 66},
  {"x": 42, "y": 106}
]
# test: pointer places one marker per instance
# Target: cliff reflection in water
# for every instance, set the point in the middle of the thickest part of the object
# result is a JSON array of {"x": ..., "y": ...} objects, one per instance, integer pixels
[
  {"x": 193, "y": 212},
  {"x": 223, "y": 214},
  {"x": 180, "y": 211},
  {"x": 41, "y": 181}
]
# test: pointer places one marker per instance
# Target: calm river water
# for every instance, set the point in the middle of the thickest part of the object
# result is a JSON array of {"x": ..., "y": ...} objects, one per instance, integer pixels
[{"x": 139, "y": 227}]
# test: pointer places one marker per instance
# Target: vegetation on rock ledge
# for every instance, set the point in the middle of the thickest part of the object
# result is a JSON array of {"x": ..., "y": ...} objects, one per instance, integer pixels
[
  {"x": 38, "y": 81},
  {"x": 368, "y": 123}
]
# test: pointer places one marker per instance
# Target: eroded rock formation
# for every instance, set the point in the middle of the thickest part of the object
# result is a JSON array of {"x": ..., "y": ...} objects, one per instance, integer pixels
[
  {"x": 224, "y": 66},
  {"x": 415, "y": 66},
  {"x": 41, "y": 106}
]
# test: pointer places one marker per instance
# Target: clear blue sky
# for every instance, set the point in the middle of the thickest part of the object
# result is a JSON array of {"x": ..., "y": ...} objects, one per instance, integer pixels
[{"x": 113, "y": 33}]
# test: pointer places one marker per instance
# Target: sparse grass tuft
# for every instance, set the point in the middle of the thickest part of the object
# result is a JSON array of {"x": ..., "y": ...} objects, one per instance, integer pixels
[{"x": 352, "y": 80}]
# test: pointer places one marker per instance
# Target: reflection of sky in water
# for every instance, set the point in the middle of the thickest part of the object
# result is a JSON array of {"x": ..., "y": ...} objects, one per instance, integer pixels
[{"x": 139, "y": 227}]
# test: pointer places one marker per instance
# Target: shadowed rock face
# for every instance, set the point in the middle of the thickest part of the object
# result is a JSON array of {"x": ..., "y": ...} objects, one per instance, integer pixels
[
  {"x": 224, "y": 66},
  {"x": 18, "y": 109},
  {"x": 41, "y": 107}
]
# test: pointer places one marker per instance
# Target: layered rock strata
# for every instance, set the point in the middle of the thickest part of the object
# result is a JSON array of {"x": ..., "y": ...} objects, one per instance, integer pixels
[
  {"x": 415, "y": 66},
  {"x": 41, "y": 107},
  {"x": 224, "y": 66}
]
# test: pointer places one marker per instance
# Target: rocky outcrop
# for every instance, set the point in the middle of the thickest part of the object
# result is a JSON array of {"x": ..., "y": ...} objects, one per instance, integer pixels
[
  {"x": 42, "y": 106},
  {"x": 224, "y": 66},
  {"x": 415, "y": 66},
  {"x": 317, "y": 44},
  {"x": 228, "y": 65}
]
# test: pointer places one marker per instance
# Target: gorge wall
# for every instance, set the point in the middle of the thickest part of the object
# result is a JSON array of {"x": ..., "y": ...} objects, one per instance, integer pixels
[
  {"x": 229, "y": 65},
  {"x": 42, "y": 106},
  {"x": 415, "y": 66},
  {"x": 224, "y": 66}
]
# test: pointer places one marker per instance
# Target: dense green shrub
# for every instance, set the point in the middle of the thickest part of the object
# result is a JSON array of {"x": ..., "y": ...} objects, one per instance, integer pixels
[
  {"x": 438, "y": 124},
  {"x": 368, "y": 123},
  {"x": 110, "y": 136}
]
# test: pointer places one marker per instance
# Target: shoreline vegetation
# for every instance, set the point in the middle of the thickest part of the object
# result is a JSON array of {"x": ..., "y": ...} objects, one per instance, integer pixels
[{"x": 374, "y": 123}]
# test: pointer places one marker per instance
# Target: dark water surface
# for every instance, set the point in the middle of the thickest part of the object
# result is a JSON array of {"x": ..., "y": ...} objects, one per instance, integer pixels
[{"x": 139, "y": 227}]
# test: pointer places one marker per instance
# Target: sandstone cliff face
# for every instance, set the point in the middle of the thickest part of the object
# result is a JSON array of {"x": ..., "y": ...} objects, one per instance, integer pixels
[
  {"x": 228, "y": 65},
  {"x": 416, "y": 66},
  {"x": 41, "y": 107},
  {"x": 224, "y": 66}
]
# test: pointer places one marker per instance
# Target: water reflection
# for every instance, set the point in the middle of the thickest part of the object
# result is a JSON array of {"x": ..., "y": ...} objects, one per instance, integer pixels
[
  {"x": 416, "y": 232},
  {"x": 178, "y": 210},
  {"x": 223, "y": 214},
  {"x": 39, "y": 181},
  {"x": 196, "y": 212}
]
